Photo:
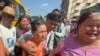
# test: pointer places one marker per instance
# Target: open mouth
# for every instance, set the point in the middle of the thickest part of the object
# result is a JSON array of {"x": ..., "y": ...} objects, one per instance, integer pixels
[{"x": 92, "y": 34}]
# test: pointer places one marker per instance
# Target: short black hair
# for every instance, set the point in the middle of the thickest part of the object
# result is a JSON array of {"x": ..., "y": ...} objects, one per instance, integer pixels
[
  {"x": 54, "y": 17},
  {"x": 56, "y": 10},
  {"x": 36, "y": 23},
  {"x": 84, "y": 16}
]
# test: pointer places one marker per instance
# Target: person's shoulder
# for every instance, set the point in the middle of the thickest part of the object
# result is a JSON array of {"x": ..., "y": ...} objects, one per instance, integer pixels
[
  {"x": 30, "y": 42},
  {"x": 27, "y": 33},
  {"x": 16, "y": 27},
  {"x": 13, "y": 28},
  {"x": 62, "y": 23},
  {"x": 69, "y": 38},
  {"x": 1, "y": 25}
]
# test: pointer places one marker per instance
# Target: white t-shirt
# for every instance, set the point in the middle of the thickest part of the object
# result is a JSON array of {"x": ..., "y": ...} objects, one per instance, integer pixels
[{"x": 9, "y": 37}]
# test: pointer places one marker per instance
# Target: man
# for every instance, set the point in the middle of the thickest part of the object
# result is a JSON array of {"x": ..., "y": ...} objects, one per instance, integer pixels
[
  {"x": 60, "y": 29},
  {"x": 7, "y": 31},
  {"x": 51, "y": 23}
]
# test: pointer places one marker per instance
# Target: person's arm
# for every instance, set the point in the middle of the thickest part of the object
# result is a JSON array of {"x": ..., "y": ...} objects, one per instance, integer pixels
[
  {"x": 22, "y": 42},
  {"x": 6, "y": 51},
  {"x": 62, "y": 33},
  {"x": 18, "y": 34},
  {"x": 23, "y": 38},
  {"x": 57, "y": 51},
  {"x": 2, "y": 48},
  {"x": 17, "y": 43}
]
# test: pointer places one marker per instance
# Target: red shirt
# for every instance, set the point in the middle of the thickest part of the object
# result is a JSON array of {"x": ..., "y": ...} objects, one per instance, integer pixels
[{"x": 24, "y": 31}]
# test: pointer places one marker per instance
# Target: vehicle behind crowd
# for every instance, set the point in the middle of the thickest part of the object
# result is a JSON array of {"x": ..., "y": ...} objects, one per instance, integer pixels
[{"x": 16, "y": 5}]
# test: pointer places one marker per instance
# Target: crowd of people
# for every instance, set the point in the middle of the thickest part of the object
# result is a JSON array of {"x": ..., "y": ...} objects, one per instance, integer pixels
[{"x": 54, "y": 36}]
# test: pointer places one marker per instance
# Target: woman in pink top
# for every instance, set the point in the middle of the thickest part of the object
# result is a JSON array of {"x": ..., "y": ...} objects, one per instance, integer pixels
[{"x": 86, "y": 42}]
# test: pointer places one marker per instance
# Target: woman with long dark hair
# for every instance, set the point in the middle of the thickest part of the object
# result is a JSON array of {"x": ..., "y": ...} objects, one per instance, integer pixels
[{"x": 21, "y": 28}]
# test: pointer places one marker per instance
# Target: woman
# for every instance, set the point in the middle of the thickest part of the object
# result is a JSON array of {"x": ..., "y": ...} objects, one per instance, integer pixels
[
  {"x": 22, "y": 24},
  {"x": 21, "y": 28},
  {"x": 39, "y": 31},
  {"x": 87, "y": 41}
]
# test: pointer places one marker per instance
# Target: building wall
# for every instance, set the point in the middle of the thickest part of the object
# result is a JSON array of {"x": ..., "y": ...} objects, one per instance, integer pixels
[
  {"x": 75, "y": 6},
  {"x": 64, "y": 7}
]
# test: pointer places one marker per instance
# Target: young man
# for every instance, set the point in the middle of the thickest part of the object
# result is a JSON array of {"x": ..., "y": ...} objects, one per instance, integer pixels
[
  {"x": 51, "y": 23},
  {"x": 7, "y": 31}
]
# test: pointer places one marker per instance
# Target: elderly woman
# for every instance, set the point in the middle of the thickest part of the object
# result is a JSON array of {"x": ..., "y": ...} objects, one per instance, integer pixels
[{"x": 39, "y": 32}]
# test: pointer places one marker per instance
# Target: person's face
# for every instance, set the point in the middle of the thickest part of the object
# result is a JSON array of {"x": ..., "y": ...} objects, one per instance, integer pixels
[
  {"x": 74, "y": 25},
  {"x": 7, "y": 19},
  {"x": 51, "y": 25},
  {"x": 2, "y": 4},
  {"x": 89, "y": 30},
  {"x": 24, "y": 23},
  {"x": 40, "y": 33}
]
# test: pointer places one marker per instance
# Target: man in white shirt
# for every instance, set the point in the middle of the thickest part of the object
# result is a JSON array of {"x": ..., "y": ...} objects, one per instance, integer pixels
[{"x": 7, "y": 31}]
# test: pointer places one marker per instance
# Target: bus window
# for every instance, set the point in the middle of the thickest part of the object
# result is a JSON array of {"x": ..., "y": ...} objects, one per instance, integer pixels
[
  {"x": 16, "y": 7},
  {"x": 21, "y": 10}
]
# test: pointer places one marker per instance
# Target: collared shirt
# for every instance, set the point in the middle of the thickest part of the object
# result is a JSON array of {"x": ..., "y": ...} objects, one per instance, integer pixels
[{"x": 49, "y": 41}]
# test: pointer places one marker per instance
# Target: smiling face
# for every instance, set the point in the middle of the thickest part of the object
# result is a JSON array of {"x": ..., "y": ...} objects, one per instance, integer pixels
[
  {"x": 51, "y": 25},
  {"x": 7, "y": 19},
  {"x": 89, "y": 30},
  {"x": 24, "y": 23}
]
